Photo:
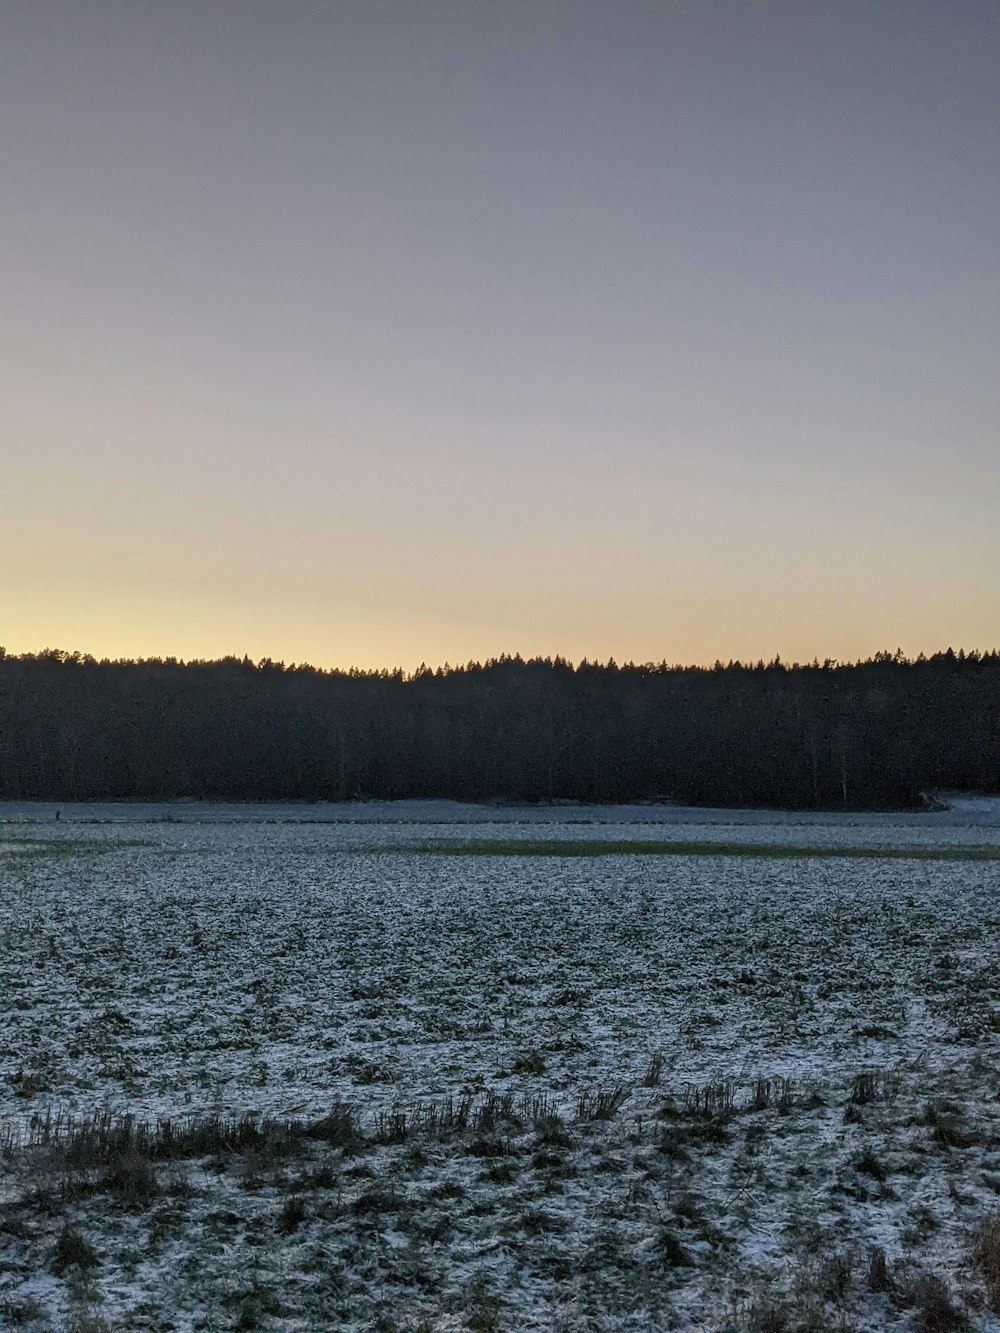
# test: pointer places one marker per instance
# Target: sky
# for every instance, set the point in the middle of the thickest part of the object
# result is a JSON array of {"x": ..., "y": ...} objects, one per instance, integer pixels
[{"x": 368, "y": 333}]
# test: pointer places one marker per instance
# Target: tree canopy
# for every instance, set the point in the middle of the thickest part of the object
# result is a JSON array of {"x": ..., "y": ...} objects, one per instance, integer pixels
[{"x": 871, "y": 734}]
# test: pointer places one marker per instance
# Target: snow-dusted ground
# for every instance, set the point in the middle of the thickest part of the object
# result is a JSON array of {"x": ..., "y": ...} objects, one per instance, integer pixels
[{"x": 186, "y": 960}]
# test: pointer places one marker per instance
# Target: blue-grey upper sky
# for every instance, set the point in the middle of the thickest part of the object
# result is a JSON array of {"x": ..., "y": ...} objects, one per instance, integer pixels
[{"x": 379, "y": 332}]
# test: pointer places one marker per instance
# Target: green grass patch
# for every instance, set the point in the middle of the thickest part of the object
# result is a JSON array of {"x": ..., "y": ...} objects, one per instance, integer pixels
[{"x": 627, "y": 847}]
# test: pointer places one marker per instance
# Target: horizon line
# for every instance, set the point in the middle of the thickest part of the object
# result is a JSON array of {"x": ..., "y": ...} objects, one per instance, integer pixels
[{"x": 556, "y": 660}]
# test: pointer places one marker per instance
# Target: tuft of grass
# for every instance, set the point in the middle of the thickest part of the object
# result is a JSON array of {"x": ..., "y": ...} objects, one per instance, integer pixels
[
  {"x": 936, "y": 1311},
  {"x": 106, "y": 1140},
  {"x": 391, "y": 1127},
  {"x": 24, "y": 1313},
  {"x": 530, "y": 1063},
  {"x": 878, "y": 1270},
  {"x": 870, "y": 1165},
  {"x": 601, "y": 1105},
  {"x": 375, "y": 1201},
  {"x": 500, "y": 1173},
  {"x": 986, "y": 1258},
  {"x": 488, "y": 1147},
  {"x": 132, "y": 1181},
  {"x": 256, "y": 1306},
  {"x": 27, "y": 1085},
  {"x": 767, "y": 1317},
  {"x": 710, "y": 1099},
  {"x": 672, "y": 1252},
  {"x": 87, "y": 1321},
  {"x": 653, "y": 1076},
  {"x": 537, "y": 1222},
  {"x": 833, "y": 1280},
  {"x": 72, "y": 1250},
  {"x": 484, "y": 1316},
  {"x": 550, "y": 1132},
  {"x": 449, "y": 1189},
  {"x": 292, "y": 1215},
  {"x": 680, "y": 1138},
  {"x": 872, "y": 1085},
  {"x": 495, "y": 1108},
  {"x": 545, "y": 1160},
  {"x": 947, "y": 1130}
]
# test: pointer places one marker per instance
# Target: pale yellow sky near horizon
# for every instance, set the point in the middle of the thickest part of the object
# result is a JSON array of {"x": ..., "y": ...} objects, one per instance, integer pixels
[
  {"x": 171, "y": 552},
  {"x": 111, "y": 616}
]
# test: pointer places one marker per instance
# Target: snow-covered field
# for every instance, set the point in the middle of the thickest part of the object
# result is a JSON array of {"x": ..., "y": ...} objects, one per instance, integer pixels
[{"x": 608, "y": 1092}]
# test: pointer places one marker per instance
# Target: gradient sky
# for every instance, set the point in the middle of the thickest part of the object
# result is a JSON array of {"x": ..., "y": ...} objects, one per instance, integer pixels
[{"x": 372, "y": 333}]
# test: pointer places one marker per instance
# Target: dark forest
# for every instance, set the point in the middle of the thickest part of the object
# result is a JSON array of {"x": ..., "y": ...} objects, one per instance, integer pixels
[{"x": 868, "y": 735}]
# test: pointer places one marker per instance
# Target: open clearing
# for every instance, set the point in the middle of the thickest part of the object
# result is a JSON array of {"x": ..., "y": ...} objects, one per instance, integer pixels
[{"x": 281, "y": 1068}]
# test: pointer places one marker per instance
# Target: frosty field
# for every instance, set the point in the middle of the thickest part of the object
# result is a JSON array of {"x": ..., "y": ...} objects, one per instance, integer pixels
[{"x": 316, "y": 1068}]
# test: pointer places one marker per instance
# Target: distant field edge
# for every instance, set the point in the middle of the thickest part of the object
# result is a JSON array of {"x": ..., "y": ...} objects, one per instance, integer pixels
[{"x": 629, "y": 847}]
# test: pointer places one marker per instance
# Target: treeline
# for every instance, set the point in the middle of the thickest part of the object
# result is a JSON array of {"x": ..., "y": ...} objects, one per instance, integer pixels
[{"x": 870, "y": 734}]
